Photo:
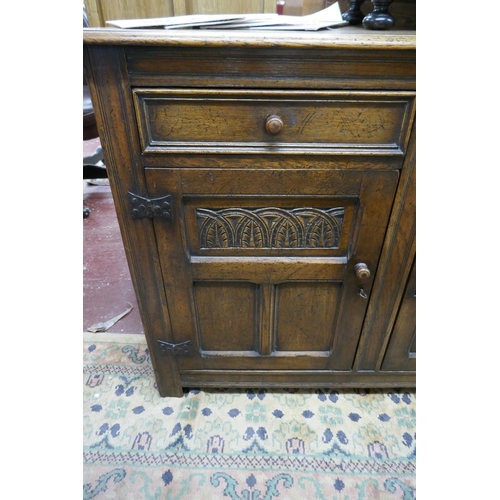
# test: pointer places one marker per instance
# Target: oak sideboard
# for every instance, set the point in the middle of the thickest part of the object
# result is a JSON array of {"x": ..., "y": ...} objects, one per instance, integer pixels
[{"x": 264, "y": 184}]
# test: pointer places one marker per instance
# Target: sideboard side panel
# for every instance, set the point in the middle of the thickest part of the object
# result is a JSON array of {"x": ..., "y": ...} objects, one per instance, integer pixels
[{"x": 112, "y": 101}]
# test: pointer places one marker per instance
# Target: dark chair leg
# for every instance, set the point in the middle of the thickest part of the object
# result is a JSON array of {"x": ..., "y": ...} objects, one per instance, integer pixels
[{"x": 94, "y": 171}]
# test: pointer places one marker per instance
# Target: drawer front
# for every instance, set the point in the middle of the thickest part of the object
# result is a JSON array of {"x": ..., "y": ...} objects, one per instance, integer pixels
[{"x": 225, "y": 121}]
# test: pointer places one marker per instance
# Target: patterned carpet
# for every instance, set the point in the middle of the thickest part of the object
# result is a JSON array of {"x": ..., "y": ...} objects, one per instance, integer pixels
[{"x": 245, "y": 444}]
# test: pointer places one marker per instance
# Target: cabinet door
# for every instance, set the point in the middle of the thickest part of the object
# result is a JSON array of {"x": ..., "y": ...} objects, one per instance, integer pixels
[
  {"x": 401, "y": 354},
  {"x": 258, "y": 265}
]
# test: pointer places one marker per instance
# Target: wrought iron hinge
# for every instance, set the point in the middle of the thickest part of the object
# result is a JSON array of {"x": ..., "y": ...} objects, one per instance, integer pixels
[
  {"x": 154, "y": 207},
  {"x": 181, "y": 349}
]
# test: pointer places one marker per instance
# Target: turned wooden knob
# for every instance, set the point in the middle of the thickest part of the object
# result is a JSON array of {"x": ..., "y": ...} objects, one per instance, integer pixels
[
  {"x": 274, "y": 124},
  {"x": 362, "y": 271}
]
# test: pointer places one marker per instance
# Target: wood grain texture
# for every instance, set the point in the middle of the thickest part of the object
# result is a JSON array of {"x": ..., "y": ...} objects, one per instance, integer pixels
[
  {"x": 269, "y": 270},
  {"x": 380, "y": 160},
  {"x": 226, "y": 315},
  {"x": 349, "y": 37},
  {"x": 307, "y": 312},
  {"x": 274, "y": 66},
  {"x": 299, "y": 378},
  {"x": 267, "y": 319},
  {"x": 228, "y": 121}
]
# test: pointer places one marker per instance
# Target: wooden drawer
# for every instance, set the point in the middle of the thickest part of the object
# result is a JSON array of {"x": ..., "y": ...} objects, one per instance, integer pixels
[{"x": 226, "y": 121}]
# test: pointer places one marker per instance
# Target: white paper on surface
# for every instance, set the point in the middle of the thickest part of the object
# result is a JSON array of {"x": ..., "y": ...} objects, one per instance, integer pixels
[
  {"x": 331, "y": 16},
  {"x": 326, "y": 18},
  {"x": 177, "y": 21}
]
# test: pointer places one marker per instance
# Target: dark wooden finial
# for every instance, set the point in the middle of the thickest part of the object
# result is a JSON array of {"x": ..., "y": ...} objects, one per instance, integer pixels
[
  {"x": 354, "y": 14},
  {"x": 379, "y": 18}
]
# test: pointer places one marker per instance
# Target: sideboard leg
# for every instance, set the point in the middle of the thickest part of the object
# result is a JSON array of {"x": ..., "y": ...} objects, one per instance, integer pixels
[
  {"x": 168, "y": 380},
  {"x": 379, "y": 18},
  {"x": 354, "y": 14}
]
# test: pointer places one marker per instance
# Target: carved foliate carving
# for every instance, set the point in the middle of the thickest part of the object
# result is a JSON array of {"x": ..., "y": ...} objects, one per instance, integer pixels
[{"x": 270, "y": 227}]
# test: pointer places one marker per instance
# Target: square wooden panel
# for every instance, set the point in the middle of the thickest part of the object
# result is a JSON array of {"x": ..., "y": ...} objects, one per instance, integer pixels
[
  {"x": 307, "y": 311},
  {"x": 225, "y": 313}
]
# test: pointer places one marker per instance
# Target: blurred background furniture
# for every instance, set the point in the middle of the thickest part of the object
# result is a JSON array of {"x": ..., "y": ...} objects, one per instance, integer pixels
[
  {"x": 90, "y": 128},
  {"x": 100, "y": 11},
  {"x": 93, "y": 166}
]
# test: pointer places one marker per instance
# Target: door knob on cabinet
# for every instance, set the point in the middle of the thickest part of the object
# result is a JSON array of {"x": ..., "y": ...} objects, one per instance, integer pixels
[
  {"x": 274, "y": 124},
  {"x": 362, "y": 271}
]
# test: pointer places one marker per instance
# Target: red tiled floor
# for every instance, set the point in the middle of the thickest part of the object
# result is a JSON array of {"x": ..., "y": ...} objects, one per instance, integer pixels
[
  {"x": 107, "y": 286},
  {"x": 90, "y": 146}
]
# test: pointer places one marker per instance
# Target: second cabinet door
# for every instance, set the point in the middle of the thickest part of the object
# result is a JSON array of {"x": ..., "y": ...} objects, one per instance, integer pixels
[
  {"x": 401, "y": 354},
  {"x": 259, "y": 265}
]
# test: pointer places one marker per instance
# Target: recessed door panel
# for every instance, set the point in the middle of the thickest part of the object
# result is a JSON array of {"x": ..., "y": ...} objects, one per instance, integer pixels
[
  {"x": 226, "y": 315},
  {"x": 306, "y": 315}
]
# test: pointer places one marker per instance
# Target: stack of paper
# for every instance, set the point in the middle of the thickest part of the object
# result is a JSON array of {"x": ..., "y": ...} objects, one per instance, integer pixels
[
  {"x": 326, "y": 18},
  {"x": 176, "y": 22}
]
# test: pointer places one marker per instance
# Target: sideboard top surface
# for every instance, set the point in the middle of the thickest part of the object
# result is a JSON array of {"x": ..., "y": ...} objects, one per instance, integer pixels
[{"x": 348, "y": 37}]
